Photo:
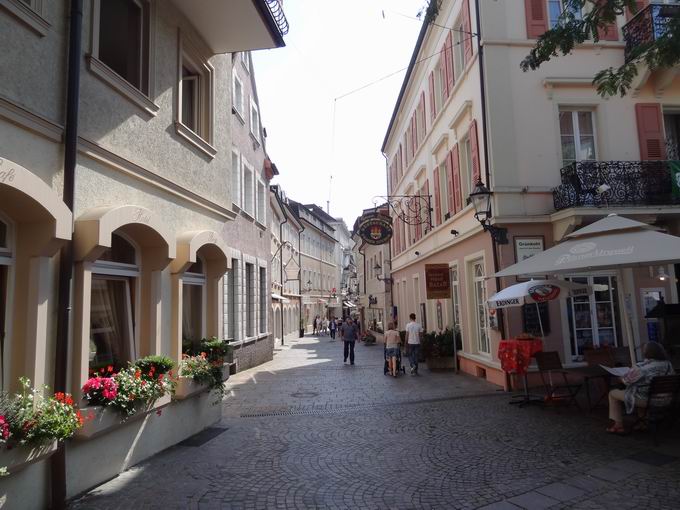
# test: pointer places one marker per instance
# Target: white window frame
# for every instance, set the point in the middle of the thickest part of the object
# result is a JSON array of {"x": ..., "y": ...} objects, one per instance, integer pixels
[
  {"x": 455, "y": 297},
  {"x": 248, "y": 176},
  {"x": 191, "y": 56},
  {"x": 134, "y": 94},
  {"x": 245, "y": 60},
  {"x": 477, "y": 285},
  {"x": 459, "y": 36},
  {"x": 552, "y": 23},
  {"x": 236, "y": 179},
  {"x": 250, "y": 312},
  {"x": 199, "y": 280},
  {"x": 577, "y": 131},
  {"x": 443, "y": 193},
  {"x": 261, "y": 202},
  {"x": 255, "y": 129},
  {"x": 238, "y": 105}
]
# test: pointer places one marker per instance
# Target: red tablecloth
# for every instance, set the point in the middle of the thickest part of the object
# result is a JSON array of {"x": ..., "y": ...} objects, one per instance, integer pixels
[{"x": 515, "y": 355}]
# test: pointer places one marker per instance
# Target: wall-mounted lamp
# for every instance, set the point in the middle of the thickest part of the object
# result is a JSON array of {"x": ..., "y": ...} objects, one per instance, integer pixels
[
  {"x": 481, "y": 200},
  {"x": 662, "y": 274},
  {"x": 378, "y": 271}
]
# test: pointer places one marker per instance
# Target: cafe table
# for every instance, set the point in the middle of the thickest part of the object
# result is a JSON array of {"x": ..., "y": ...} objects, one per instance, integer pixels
[
  {"x": 591, "y": 373},
  {"x": 515, "y": 355}
]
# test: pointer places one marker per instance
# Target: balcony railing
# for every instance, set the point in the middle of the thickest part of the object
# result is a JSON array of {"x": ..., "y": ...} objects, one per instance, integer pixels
[
  {"x": 276, "y": 10},
  {"x": 615, "y": 183},
  {"x": 647, "y": 26}
]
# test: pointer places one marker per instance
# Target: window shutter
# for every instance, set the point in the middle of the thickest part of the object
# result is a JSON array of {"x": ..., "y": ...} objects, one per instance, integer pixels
[
  {"x": 474, "y": 151},
  {"x": 448, "y": 62},
  {"x": 437, "y": 198},
  {"x": 455, "y": 178},
  {"x": 433, "y": 102},
  {"x": 400, "y": 161},
  {"x": 609, "y": 32},
  {"x": 395, "y": 237},
  {"x": 442, "y": 71},
  {"x": 414, "y": 134},
  {"x": 641, "y": 4},
  {"x": 448, "y": 166},
  {"x": 427, "y": 214},
  {"x": 537, "y": 19},
  {"x": 423, "y": 119},
  {"x": 650, "y": 131},
  {"x": 467, "y": 36}
]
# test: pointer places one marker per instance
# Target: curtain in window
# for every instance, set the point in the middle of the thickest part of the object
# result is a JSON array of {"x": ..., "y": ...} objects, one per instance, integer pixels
[
  {"x": 110, "y": 323},
  {"x": 191, "y": 314}
]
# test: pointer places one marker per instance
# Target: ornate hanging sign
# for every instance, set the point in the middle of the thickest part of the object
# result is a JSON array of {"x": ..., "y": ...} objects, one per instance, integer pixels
[{"x": 376, "y": 229}]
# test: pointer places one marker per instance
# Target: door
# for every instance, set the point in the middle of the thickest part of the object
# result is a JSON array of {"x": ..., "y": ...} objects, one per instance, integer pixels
[{"x": 594, "y": 319}]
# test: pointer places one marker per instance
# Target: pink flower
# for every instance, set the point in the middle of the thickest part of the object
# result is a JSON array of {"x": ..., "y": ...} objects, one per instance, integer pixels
[
  {"x": 110, "y": 389},
  {"x": 4, "y": 428}
]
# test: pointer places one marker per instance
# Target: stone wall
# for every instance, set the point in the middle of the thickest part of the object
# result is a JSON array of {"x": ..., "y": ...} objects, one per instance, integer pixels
[{"x": 253, "y": 353}]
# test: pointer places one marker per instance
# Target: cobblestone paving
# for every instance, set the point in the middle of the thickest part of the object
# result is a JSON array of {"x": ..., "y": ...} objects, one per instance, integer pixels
[{"x": 306, "y": 431}]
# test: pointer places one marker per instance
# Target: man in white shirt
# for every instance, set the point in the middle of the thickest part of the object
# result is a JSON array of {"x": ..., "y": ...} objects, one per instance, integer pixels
[{"x": 414, "y": 332}]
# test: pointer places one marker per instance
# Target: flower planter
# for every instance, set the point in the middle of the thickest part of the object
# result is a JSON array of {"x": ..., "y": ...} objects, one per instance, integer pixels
[
  {"x": 105, "y": 418},
  {"x": 226, "y": 371},
  {"x": 19, "y": 457},
  {"x": 443, "y": 363},
  {"x": 187, "y": 387}
]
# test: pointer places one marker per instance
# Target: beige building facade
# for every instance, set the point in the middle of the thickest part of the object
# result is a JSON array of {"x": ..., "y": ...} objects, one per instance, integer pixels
[
  {"x": 555, "y": 155},
  {"x": 152, "y": 196}
]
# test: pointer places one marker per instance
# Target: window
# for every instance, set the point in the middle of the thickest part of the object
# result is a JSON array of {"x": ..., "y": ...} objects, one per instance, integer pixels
[
  {"x": 6, "y": 261},
  {"x": 250, "y": 300},
  {"x": 195, "y": 97},
  {"x": 261, "y": 203},
  {"x": 123, "y": 42},
  {"x": 236, "y": 178},
  {"x": 245, "y": 60},
  {"x": 467, "y": 179},
  {"x": 248, "y": 190},
  {"x": 231, "y": 301},
  {"x": 479, "y": 295},
  {"x": 443, "y": 192},
  {"x": 193, "y": 285},
  {"x": 254, "y": 121},
  {"x": 263, "y": 300},
  {"x": 577, "y": 136},
  {"x": 555, "y": 8},
  {"x": 237, "y": 96},
  {"x": 112, "y": 306}
]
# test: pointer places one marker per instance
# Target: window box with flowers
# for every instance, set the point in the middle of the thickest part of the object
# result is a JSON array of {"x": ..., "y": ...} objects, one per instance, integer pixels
[
  {"x": 198, "y": 374},
  {"x": 32, "y": 424},
  {"x": 217, "y": 351},
  {"x": 115, "y": 398}
]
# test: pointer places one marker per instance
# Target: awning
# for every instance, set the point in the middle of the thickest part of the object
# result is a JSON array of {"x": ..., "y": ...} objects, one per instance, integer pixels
[
  {"x": 349, "y": 305},
  {"x": 278, "y": 297}
]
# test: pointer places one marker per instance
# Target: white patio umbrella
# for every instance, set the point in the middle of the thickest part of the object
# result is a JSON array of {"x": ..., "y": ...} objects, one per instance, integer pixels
[
  {"x": 537, "y": 291},
  {"x": 613, "y": 242}
]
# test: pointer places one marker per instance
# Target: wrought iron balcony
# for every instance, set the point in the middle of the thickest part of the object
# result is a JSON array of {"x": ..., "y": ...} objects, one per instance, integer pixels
[
  {"x": 647, "y": 26},
  {"x": 276, "y": 10},
  {"x": 615, "y": 183}
]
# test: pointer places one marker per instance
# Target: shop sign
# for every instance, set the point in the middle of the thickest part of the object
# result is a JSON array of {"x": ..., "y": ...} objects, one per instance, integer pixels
[
  {"x": 437, "y": 281},
  {"x": 527, "y": 247},
  {"x": 376, "y": 229}
]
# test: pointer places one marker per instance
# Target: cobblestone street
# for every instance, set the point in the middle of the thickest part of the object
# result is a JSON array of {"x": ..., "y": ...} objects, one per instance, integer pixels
[{"x": 306, "y": 431}]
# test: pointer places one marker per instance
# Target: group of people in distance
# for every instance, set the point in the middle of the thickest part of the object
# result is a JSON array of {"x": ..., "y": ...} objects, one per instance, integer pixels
[{"x": 322, "y": 326}]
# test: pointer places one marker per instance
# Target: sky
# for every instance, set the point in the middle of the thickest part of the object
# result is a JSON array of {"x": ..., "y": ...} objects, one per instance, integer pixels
[{"x": 334, "y": 47}]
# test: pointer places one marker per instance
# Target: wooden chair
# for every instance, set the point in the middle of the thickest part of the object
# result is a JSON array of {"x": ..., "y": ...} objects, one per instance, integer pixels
[
  {"x": 554, "y": 377},
  {"x": 663, "y": 402},
  {"x": 597, "y": 357}
]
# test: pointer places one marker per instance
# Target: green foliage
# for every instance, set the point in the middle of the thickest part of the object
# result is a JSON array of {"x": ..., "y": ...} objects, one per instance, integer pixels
[
  {"x": 215, "y": 348},
  {"x": 439, "y": 345},
  {"x": 431, "y": 11},
  {"x": 663, "y": 52},
  {"x": 159, "y": 364},
  {"x": 203, "y": 371}
]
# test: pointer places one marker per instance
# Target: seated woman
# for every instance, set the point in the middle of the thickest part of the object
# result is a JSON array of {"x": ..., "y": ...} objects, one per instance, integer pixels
[
  {"x": 637, "y": 382},
  {"x": 392, "y": 345}
]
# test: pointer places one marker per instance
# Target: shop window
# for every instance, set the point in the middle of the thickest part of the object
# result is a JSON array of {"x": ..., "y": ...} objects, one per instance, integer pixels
[
  {"x": 193, "y": 306},
  {"x": 123, "y": 42},
  {"x": 112, "y": 324}
]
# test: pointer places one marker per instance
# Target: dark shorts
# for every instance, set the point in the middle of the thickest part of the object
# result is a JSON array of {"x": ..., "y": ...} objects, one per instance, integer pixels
[{"x": 393, "y": 352}]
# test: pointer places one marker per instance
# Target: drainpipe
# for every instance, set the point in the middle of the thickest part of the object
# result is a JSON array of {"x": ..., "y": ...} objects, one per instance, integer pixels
[
  {"x": 301, "y": 326},
  {"x": 58, "y": 460},
  {"x": 482, "y": 83}
]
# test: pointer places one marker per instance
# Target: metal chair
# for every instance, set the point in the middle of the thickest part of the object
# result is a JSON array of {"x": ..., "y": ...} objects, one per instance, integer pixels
[
  {"x": 550, "y": 368},
  {"x": 663, "y": 402}
]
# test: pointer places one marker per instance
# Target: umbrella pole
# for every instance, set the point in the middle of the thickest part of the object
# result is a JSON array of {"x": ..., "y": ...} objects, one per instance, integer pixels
[
  {"x": 540, "y": 322},
  {"x": 627, "y": 326}
]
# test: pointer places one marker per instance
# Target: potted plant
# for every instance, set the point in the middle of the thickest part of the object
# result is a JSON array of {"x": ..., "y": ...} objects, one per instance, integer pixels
[
  {"x": 32, "y": 424},
  {"x": 439, "y": 349},
  {"x": 198, "y": 374},
  {"x": 219, "y": 353}
]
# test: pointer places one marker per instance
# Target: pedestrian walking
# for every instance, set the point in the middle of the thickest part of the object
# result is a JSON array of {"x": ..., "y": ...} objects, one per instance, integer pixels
[
  {"x": 315, "y": 325},
  {"x": 325, "y": 326},
  {"x": 349, "y": 334},
  {"x": 414, "y": 331},
  {"x": 333, "y": 326},
  {"x": 392, "y": 346}
]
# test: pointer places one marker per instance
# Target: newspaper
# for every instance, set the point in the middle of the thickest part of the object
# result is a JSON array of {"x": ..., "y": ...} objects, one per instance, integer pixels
[{"x": 617, "y": 371}]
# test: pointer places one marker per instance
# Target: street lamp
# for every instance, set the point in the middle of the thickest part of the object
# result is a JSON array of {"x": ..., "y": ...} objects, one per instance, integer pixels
[
  {"x": 378, "y": 269},
  {"x": 308, "y": 285},
  {"x": 481, "y": 201}
]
